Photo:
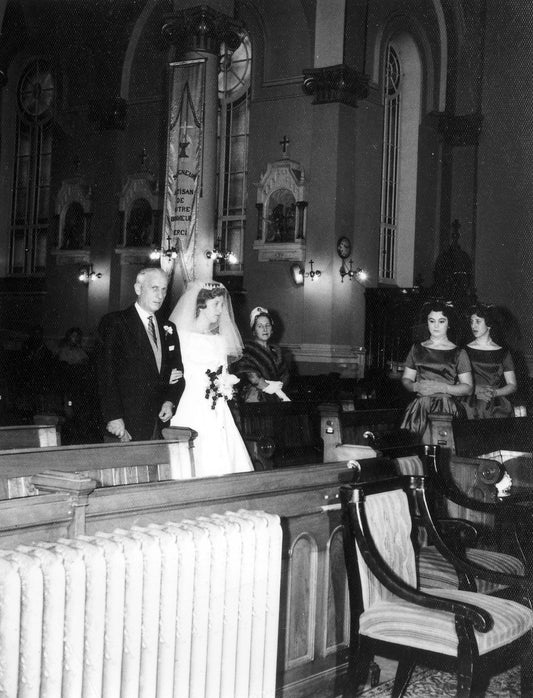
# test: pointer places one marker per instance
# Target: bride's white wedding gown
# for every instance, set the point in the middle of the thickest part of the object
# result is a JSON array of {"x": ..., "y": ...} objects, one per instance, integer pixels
[{"x": 218, "y": 448}]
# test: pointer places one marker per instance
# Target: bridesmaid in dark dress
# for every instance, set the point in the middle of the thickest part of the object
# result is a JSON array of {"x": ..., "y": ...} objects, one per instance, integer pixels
[
  {"x": 492, "y": 368},
  {"x": 438, "y": 371}
]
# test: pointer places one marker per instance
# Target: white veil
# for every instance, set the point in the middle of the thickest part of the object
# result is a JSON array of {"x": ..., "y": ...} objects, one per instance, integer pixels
[{"x": 184, "y": 316}]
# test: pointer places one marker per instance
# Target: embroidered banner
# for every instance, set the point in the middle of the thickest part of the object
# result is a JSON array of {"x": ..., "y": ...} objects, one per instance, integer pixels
[{"x": 184, "y": 161}]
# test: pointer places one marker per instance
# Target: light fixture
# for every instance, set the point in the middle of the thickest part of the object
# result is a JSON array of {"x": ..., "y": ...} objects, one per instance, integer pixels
[
  {"x": 87, "y": 273},
  {"x": 359, "y": 274},
  {"x": 298, "y": 273},
  {"x": 170, "y": 251},
  {"x": 313, "y": 273},
  {"x": 218, "y": 253}
]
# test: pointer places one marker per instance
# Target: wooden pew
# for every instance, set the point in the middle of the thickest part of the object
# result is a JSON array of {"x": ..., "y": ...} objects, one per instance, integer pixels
[
  {"x": 314, "y": 620},
  {"x": 106, "y": 464},
  {"x": 377, "y": 428},
  {"x": 280, "y": 434},
  {"x": 474, "y": 437},
  {"x": 29, "y": 435}
]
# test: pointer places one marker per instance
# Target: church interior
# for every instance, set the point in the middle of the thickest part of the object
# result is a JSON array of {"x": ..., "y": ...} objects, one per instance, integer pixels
[{"x": 338, "y": 162}]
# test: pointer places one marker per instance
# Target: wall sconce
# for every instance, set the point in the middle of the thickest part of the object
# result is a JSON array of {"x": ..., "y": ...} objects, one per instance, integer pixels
[
  {"x": 313, "y": 273},
  {"x": 298, "y": 274},
  {"x": 359, "y": 274},
  {"x": 170, "y": 251},
  {"x": 217, "y": 254},
  {"x": 87, "y": 274}
]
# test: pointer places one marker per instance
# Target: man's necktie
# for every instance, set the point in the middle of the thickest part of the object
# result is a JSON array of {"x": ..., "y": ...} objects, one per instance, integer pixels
[{"x": 151, "y": 328}]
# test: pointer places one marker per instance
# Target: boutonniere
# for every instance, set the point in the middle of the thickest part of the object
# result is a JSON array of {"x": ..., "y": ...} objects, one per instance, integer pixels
[{"x": 168, "y": 330}]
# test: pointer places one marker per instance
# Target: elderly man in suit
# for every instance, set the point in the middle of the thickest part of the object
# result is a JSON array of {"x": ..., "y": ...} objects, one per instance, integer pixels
[{"x": 140, "y": 371}]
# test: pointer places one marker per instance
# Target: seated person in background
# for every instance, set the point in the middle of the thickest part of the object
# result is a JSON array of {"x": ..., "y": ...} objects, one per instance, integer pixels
[
  {"x": 437, "y": 371},
  {"x": 70, "y": 350},
  {"x": 39, "y": 377},
  {"x": 79, "y": 388},
  {"x": 492, "y": 367},
  {"x": 262, "y": 368}
]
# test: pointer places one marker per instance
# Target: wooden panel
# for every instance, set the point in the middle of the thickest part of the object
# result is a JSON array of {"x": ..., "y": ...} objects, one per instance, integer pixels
[
  {"x": 337, "y": 630},
  {"x": 301, "y": 606},
  {"x": 28, "y": 436},
  {"x": 311, "y": 605}
]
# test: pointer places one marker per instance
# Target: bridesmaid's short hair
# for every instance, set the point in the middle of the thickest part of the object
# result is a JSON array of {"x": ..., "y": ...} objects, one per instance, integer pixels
[
  {"x": 439, "y": 306},
  {"x": 490, "y": 314}
]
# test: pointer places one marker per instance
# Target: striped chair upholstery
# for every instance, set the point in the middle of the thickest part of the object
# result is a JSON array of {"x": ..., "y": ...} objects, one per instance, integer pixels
[
  {"x": 393, "y": 614},
  {"x": 435, "y": 572}
]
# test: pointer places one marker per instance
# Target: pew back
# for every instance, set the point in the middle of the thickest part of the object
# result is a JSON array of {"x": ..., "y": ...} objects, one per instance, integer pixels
[
  {"x": 293, "y": 428},
  {"x": 376, "y": 428},
  {"x": 474, "y": 437},
  {"x": 28, "y": 436},
  {"x": 107, "y": 464}
]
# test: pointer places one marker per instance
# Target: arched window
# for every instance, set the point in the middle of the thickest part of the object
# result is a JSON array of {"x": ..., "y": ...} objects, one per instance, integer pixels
[
  {"x": 233, "y": 131},
  {"x": 402, "y": 91},
  {"x": 32, "y": 169}
]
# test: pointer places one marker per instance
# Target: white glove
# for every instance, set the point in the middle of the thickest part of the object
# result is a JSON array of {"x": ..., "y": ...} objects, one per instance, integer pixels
[{"x": 275, "y": 388}]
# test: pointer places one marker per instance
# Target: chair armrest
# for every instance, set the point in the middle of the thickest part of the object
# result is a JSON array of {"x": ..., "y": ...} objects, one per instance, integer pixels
[
  {"x": 465, "y": 568},
  {"x": 460, "y": 530}
]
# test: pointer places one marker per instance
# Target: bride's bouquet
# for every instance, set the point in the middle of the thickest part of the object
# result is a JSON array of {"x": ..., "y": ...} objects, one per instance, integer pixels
[{"x": 221, "y": 385}]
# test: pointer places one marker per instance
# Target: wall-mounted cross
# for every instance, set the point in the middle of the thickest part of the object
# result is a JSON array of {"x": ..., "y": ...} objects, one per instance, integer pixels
[{"x": 284, "y": 143}]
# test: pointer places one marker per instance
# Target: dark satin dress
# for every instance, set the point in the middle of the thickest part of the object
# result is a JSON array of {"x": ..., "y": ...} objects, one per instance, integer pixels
[
  {"x": 442, "y": 365},
  {"x": 488, "y": 368}
]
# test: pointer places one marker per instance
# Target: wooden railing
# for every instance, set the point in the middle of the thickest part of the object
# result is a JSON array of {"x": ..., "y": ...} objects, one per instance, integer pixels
[{"x": 314, "y": 615}]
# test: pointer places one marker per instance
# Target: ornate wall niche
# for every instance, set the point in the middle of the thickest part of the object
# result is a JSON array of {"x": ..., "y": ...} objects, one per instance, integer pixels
[
  {"x": 74, "y": 205},
  {"x": 282, "y": 212},
  {"x": 140, "y": 207}
]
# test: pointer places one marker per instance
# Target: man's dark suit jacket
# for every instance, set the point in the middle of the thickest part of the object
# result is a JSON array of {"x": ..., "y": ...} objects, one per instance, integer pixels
[{"x": 129, "y": 384}]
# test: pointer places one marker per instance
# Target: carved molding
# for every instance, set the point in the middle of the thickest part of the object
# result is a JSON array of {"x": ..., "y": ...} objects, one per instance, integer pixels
[
  {"x": 72, "y": 190},
  {"x": 202, "y": 29},
  {"x": 280, "y": 252},
  {"x": 282, "y": 185},
  {"x": 64, "y": 257},
  {"x": 133, "y": 255},
  {"x": 140, "y": 185},
  {"x": 75, "y": 190},
  {"x": 336, "y": 83}
]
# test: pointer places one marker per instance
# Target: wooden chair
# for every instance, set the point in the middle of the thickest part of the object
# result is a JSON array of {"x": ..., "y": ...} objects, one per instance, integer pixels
[
  {"x": 463, "y": 631},
  {"x": 483, "y": 568}
]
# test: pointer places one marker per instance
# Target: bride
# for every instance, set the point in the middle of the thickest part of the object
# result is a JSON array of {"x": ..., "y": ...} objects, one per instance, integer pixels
[{"x": 209, "y": 340}]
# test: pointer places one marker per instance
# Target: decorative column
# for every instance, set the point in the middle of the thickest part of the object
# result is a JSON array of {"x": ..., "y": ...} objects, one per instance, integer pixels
[
  {"x": 195, "y": 33},
  {"x": 336, "y": 84}
]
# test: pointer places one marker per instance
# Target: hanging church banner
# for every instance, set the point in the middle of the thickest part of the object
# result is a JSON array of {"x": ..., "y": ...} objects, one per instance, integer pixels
[{"x": 184, "y": 161}]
